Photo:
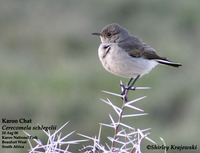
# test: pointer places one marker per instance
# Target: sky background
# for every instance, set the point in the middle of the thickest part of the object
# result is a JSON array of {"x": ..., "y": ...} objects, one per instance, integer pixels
[{"x": 50, "y": 71}]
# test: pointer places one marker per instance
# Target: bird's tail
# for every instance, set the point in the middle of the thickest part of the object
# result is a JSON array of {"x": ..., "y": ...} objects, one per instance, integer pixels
[{"x": 166, "y": 62}]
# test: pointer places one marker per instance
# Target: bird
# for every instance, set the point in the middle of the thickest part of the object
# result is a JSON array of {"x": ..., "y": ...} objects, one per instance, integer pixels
[{"x": 125, "y": 55}]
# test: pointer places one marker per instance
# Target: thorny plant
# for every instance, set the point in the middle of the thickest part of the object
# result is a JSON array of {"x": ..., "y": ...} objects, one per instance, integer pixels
[
  {"x": 54, "y": 143},
  {"x": 126, "y": 139}
]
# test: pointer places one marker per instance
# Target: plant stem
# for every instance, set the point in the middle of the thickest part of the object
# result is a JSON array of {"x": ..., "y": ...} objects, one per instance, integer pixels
[
  {"x": 124, "y": 98},
  {"x": 120, "y": 117}
]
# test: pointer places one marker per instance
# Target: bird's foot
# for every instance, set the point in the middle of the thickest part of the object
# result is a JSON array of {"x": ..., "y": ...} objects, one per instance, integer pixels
[
  {"x": 124, "y": 88},
  {"x": 129, "y": 86}
]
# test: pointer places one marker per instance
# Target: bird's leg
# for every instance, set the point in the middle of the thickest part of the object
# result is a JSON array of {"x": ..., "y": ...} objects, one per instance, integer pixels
[
  {"x": 129, "y": 82},
  {"x": 129, "y": 85}
]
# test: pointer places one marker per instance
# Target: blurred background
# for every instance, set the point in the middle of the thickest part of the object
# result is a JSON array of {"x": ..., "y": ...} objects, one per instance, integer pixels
[{"x": 50, "y": 71}]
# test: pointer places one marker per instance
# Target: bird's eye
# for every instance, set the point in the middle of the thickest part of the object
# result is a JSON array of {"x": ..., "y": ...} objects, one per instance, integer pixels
[{"x": 108, "y": 34}]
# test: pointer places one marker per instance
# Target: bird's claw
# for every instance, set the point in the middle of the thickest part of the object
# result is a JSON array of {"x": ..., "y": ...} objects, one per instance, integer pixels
[{"x": 129, "y": 86}]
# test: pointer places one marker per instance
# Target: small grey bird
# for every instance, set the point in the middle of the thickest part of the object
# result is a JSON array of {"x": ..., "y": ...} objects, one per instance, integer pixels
[{"x": 125, "y": 55}]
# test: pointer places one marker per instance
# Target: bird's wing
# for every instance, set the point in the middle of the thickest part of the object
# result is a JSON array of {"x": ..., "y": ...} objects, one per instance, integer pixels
[{"x": 136, "y": 48}]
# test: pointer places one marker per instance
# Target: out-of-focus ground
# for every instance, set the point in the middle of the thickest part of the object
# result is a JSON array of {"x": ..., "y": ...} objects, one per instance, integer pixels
[{"x": 50, "y": 71}]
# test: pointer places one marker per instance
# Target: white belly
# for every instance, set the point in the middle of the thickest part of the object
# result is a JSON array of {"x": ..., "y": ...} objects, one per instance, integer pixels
[{"x": 120, "y": 63}]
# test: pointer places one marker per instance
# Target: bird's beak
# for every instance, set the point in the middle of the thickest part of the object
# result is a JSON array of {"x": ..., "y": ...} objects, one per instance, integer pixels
[{"x": 96, "y": 33}]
